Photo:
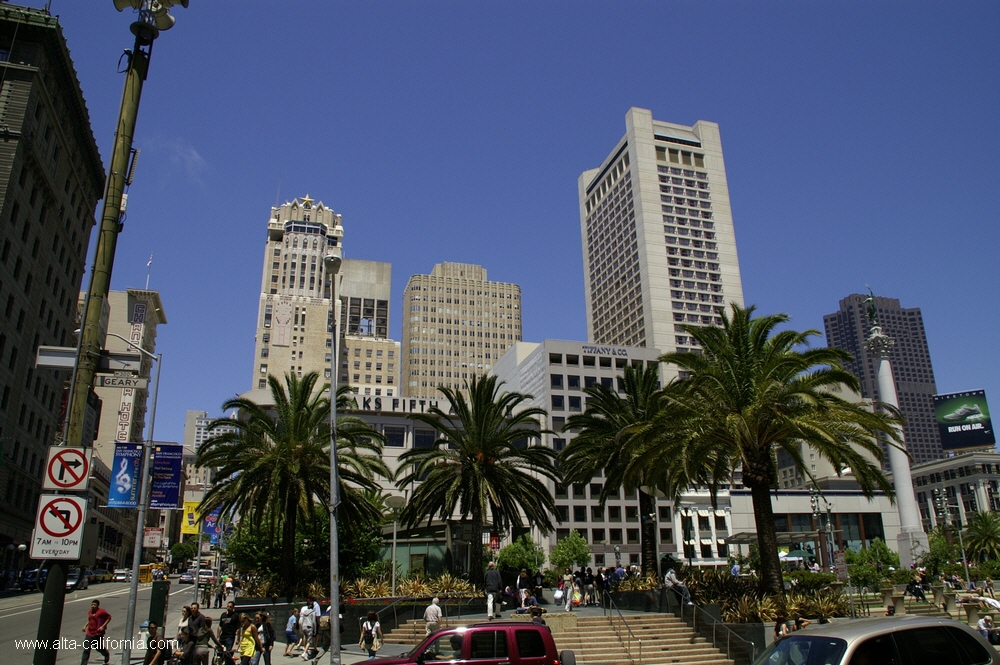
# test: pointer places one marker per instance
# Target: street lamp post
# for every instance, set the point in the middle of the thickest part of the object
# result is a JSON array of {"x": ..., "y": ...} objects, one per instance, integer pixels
[
  {"x": 395, "y": 502},
  {"x": 147, "y": 449},
  {"x": 332, "y": 264},
  {"x": 944, "y": 511}
]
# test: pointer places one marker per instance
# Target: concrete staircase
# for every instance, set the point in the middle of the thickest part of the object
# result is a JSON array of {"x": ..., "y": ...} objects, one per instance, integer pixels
[{"x": 666, "y": 640}]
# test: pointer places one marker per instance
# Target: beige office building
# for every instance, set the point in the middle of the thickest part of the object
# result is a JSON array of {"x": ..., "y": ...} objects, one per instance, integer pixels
[
  {"x": 659, "y": 249},
  {"x": 293, "y": 324},
  {"x": 456, "y": 326}
]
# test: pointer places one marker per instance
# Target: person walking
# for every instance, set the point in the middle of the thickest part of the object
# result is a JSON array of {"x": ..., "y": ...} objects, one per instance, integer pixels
[
  {"x": 157, "y": 648},
  {"x": 308, "y": 622},
  {"x": 589, "y": 592},
  {"x": 94, "y": 630},
  {"x": 228, "y": 624},
  {"x": 267, "y": 637},
  {"x": 249, "y": 642},
  {"x": 371, "y": 635},
  {"x": 568, "y": 585},
  {"x": 182, "y": 624},
  {"x": 494, "y": 586},
  {"x": 291, "y": 636},
  {"x": 220, "y": 592},
  {"x": 432, "y": 616}
]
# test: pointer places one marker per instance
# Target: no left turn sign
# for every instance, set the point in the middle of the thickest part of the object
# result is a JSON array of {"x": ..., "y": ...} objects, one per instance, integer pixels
[
  {"x": 58, "y": 527},
  {"x": 68, "y": 469}
]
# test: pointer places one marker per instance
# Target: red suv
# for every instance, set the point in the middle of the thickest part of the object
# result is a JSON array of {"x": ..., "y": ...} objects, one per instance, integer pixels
[{"x": 513, "y": 643}]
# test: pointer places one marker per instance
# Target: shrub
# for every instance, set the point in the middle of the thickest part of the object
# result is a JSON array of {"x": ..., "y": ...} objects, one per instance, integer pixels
[
  {"x": 804, "y": 581},
  {"x": 749, "y": 609},
  {"x": 523, "y": 553}
]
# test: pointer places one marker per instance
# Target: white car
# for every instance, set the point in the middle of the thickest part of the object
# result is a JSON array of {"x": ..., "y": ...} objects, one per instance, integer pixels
[{"x": 123, "y": 575}]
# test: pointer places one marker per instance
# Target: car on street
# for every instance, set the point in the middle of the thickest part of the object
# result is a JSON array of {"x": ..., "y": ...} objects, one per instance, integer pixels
[
  {"x": 513, "y": 643},
  {"x": 101, "y": 575},
  {"x": 30, "y": 579},
  {"x": 205, "y": 578},
  {"x": 898, "y": 640},
  {"x": 123, "y": 575},
  {"x": 76, "y": 578},
  {"x": 187, "y": 577}
]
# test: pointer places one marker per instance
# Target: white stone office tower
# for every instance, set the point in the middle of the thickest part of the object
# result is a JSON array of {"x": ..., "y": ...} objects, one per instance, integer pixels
[
  {"x": 293, "y": 322},
  {"x": 659, "y": 249},
  {"x": 456, "y": 325}
]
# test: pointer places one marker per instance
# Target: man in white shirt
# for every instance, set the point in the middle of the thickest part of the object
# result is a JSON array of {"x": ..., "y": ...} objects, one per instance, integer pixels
[{"x": 432, "y": 616}]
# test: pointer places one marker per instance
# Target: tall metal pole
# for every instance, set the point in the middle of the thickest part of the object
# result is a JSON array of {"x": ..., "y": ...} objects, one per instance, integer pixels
[
  {"x": 144, "y": 488},
  {"x": 197, "y": 566},
  {"x": 333, "y": 264},
  {"x": 394, "y": 515},
  {"x": 50, "y": 617}
]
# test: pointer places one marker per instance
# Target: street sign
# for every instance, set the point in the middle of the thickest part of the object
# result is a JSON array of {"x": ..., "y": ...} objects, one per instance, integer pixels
[
  {"x": 152, "y": 538},
  {"x": 114, "y": 381},
  {"x": 67, "y": 469},
  {"x": 117, "y": 361},
  {"x": 206, "y": 547},
  {"x": 56, "y": 357},
  {"x": 59, "y": 526}
]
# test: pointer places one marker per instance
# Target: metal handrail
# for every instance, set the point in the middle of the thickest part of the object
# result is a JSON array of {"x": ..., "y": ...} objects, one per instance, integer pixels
[
  {"x": 716, "y": 623},
  {"x": 394, "y": 606},
  {"x": 631, "y": 636}
]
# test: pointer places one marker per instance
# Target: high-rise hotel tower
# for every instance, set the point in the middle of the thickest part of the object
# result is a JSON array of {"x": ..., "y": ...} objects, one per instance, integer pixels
[{"x": 659, "y": 249}]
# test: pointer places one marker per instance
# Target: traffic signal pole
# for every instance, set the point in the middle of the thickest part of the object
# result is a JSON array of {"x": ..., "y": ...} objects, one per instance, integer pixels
[{"x": 50, "y": 620}]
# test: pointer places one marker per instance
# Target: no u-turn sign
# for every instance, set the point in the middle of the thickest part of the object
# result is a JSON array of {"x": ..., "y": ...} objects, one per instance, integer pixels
[{"x": 59, "y": 527}]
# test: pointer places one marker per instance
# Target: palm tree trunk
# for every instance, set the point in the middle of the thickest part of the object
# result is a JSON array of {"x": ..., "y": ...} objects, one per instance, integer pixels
[
  {"x": 476, "y": 550},
  {"x": 771, "y": 580},
  {"x": 289, "y": 573},
  {"x": 647, "y": 534}
]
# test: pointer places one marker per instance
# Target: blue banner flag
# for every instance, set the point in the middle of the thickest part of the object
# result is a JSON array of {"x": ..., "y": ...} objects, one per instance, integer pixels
[
  {"x": 124, "y": 491},
  {"x": 211, "y": 524},
  {"x": 165, "y": 486}
]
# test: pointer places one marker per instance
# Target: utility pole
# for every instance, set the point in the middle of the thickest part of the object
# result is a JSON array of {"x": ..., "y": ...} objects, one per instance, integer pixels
[{"x": 152, "y": 17}]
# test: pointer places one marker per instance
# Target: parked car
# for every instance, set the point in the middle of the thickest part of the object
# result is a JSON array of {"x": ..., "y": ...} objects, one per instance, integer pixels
[
  {"x": 76, "y": 578},
  {"x": 30, "y": 580},
  {"x": 205, "y": 578},
  {"x": 91, "y": 575},
  {"x": 512, "y": 643},
  {"x": 899, "y": 640},
  {"x": 102, "y": 575},
  {"x": 187, "y": 577},
  {"x": 123, "y": 575}
]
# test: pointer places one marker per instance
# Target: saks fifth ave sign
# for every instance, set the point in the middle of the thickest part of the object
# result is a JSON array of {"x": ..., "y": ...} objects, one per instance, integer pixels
[{"x": 394, "y": 404}]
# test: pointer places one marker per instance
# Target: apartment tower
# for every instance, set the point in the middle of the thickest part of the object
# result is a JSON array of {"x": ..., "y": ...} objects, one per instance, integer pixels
[
  {"x": 51, "y": 178},
  {"x": 456, "y": 324},
  {"x": 848, "y": 329},
  {"x": 659, "y": 249}
]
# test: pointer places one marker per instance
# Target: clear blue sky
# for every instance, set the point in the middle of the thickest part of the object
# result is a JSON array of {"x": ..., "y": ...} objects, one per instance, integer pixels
[{"x": 861, "y": 143}]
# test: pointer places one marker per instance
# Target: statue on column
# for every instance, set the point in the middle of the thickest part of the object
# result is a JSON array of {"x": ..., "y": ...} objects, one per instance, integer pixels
[{"x": 870, "y": 308}]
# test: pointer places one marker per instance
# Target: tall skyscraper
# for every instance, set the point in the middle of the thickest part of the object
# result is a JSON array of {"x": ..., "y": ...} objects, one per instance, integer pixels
[
  {"x": 51, "y": 178},
  {"x": 293, "y": 322},
  {"x": 456, "y": 324},
  {"x": 659, "y": 249},
  {"x": 911, "y": 364}
]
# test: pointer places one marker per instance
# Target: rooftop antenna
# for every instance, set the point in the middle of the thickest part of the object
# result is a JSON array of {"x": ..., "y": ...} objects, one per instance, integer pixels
[
  {"x": 277, "y": 195},
  {"x": 149, "y": 264}
]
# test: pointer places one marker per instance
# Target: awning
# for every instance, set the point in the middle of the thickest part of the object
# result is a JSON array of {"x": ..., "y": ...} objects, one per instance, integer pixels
[
  {"x": 704, "y": 513},
  {"x": 706, "y": 541},
  {"x": 783, "y": 537}
]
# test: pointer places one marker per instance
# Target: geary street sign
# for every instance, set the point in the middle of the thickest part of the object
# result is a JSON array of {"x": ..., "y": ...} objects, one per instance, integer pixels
[{"x": 115, "y": 381}]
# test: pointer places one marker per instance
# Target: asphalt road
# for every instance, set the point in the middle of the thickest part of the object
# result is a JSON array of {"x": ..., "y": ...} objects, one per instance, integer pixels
[{"x": 19, "y": 619}]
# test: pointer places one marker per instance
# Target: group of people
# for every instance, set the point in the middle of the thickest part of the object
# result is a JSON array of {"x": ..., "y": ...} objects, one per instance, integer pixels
[
  {"x": 221, "y": 590},
  {"x": 783, "y": 627}
]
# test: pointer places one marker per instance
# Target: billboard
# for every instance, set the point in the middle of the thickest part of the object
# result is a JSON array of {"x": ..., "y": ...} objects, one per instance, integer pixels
[
  {"x": 963, "y": 420},
  {"x": 191, "y": 520},
  {"x": 165, "y": 485},
  {"x": 124, "y": 492}
]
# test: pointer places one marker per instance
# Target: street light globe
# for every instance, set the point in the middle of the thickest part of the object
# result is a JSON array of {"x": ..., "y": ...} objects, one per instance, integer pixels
[
  {"x": 332, "y": 263},
  {"x": 395, "y": 501},
  {"x": 22, "y": 547}
]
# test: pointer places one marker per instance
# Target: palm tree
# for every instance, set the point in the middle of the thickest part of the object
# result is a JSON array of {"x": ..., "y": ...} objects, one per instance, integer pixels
[
  {"x": 482, "y": 466},
  {"x": 274, "y": 464},
  {"x": 982, "y": 537},
  {"x": 750, "y": 393},
  {"x": 601, "y": 444}
]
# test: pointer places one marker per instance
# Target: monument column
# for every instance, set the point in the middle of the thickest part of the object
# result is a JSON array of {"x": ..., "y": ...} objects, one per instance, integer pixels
[{"x": 912, "y": 541}]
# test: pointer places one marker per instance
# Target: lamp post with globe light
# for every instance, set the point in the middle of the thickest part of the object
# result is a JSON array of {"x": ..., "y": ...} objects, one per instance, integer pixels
[
  {"x": 395, "y": 502},
  {"x": 332, "y": 264}
]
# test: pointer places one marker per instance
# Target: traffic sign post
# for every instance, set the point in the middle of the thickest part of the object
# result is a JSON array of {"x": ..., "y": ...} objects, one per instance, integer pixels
[
  {"x": 59, "y": 526},
  {"x": 67, "y": 469}
]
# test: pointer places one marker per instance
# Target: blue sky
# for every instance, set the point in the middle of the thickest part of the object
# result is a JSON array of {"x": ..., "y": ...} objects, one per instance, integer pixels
[{"x": 861, "y": 144}]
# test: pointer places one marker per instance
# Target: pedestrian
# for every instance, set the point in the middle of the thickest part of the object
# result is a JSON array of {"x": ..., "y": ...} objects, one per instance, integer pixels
[
  {"x": 735, "y": 570},
  {"x": 988, "y": 629},
  {"x": 228, "y": 624},
  {"x": 220, "y": 593},
  {"x": 267, "y": 637},
  {"x": 229, "y": 587},
  {"x": 182, "y": 624},
  {"x": 432, "y": 616},
  {"x": 523, "y": 587},
  {"x": 589, "y": 592},
  {"x": 988, "y": 587},
  {"x": 185, "y": 647},
  {"x": 800, "y": 622},
  {"x": 157, "y": 648},
  {"x": 371, "y": 635},
  {"x": 200, "y": 628},
  {"x": 291, "y": 636},
  {"x": 539, "y": 583},
  {"x": 249, "y": 643},
  {"x": 780, "y": 627},
  {"x": 671, "y": 581},
  {"x": 568, "y": 586},
  {"x": 308, "y": 623},
  {"x": 536, "y": 616},
  {"x": 494, "y": 585},
  {"x": 94, "y": 631}
]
